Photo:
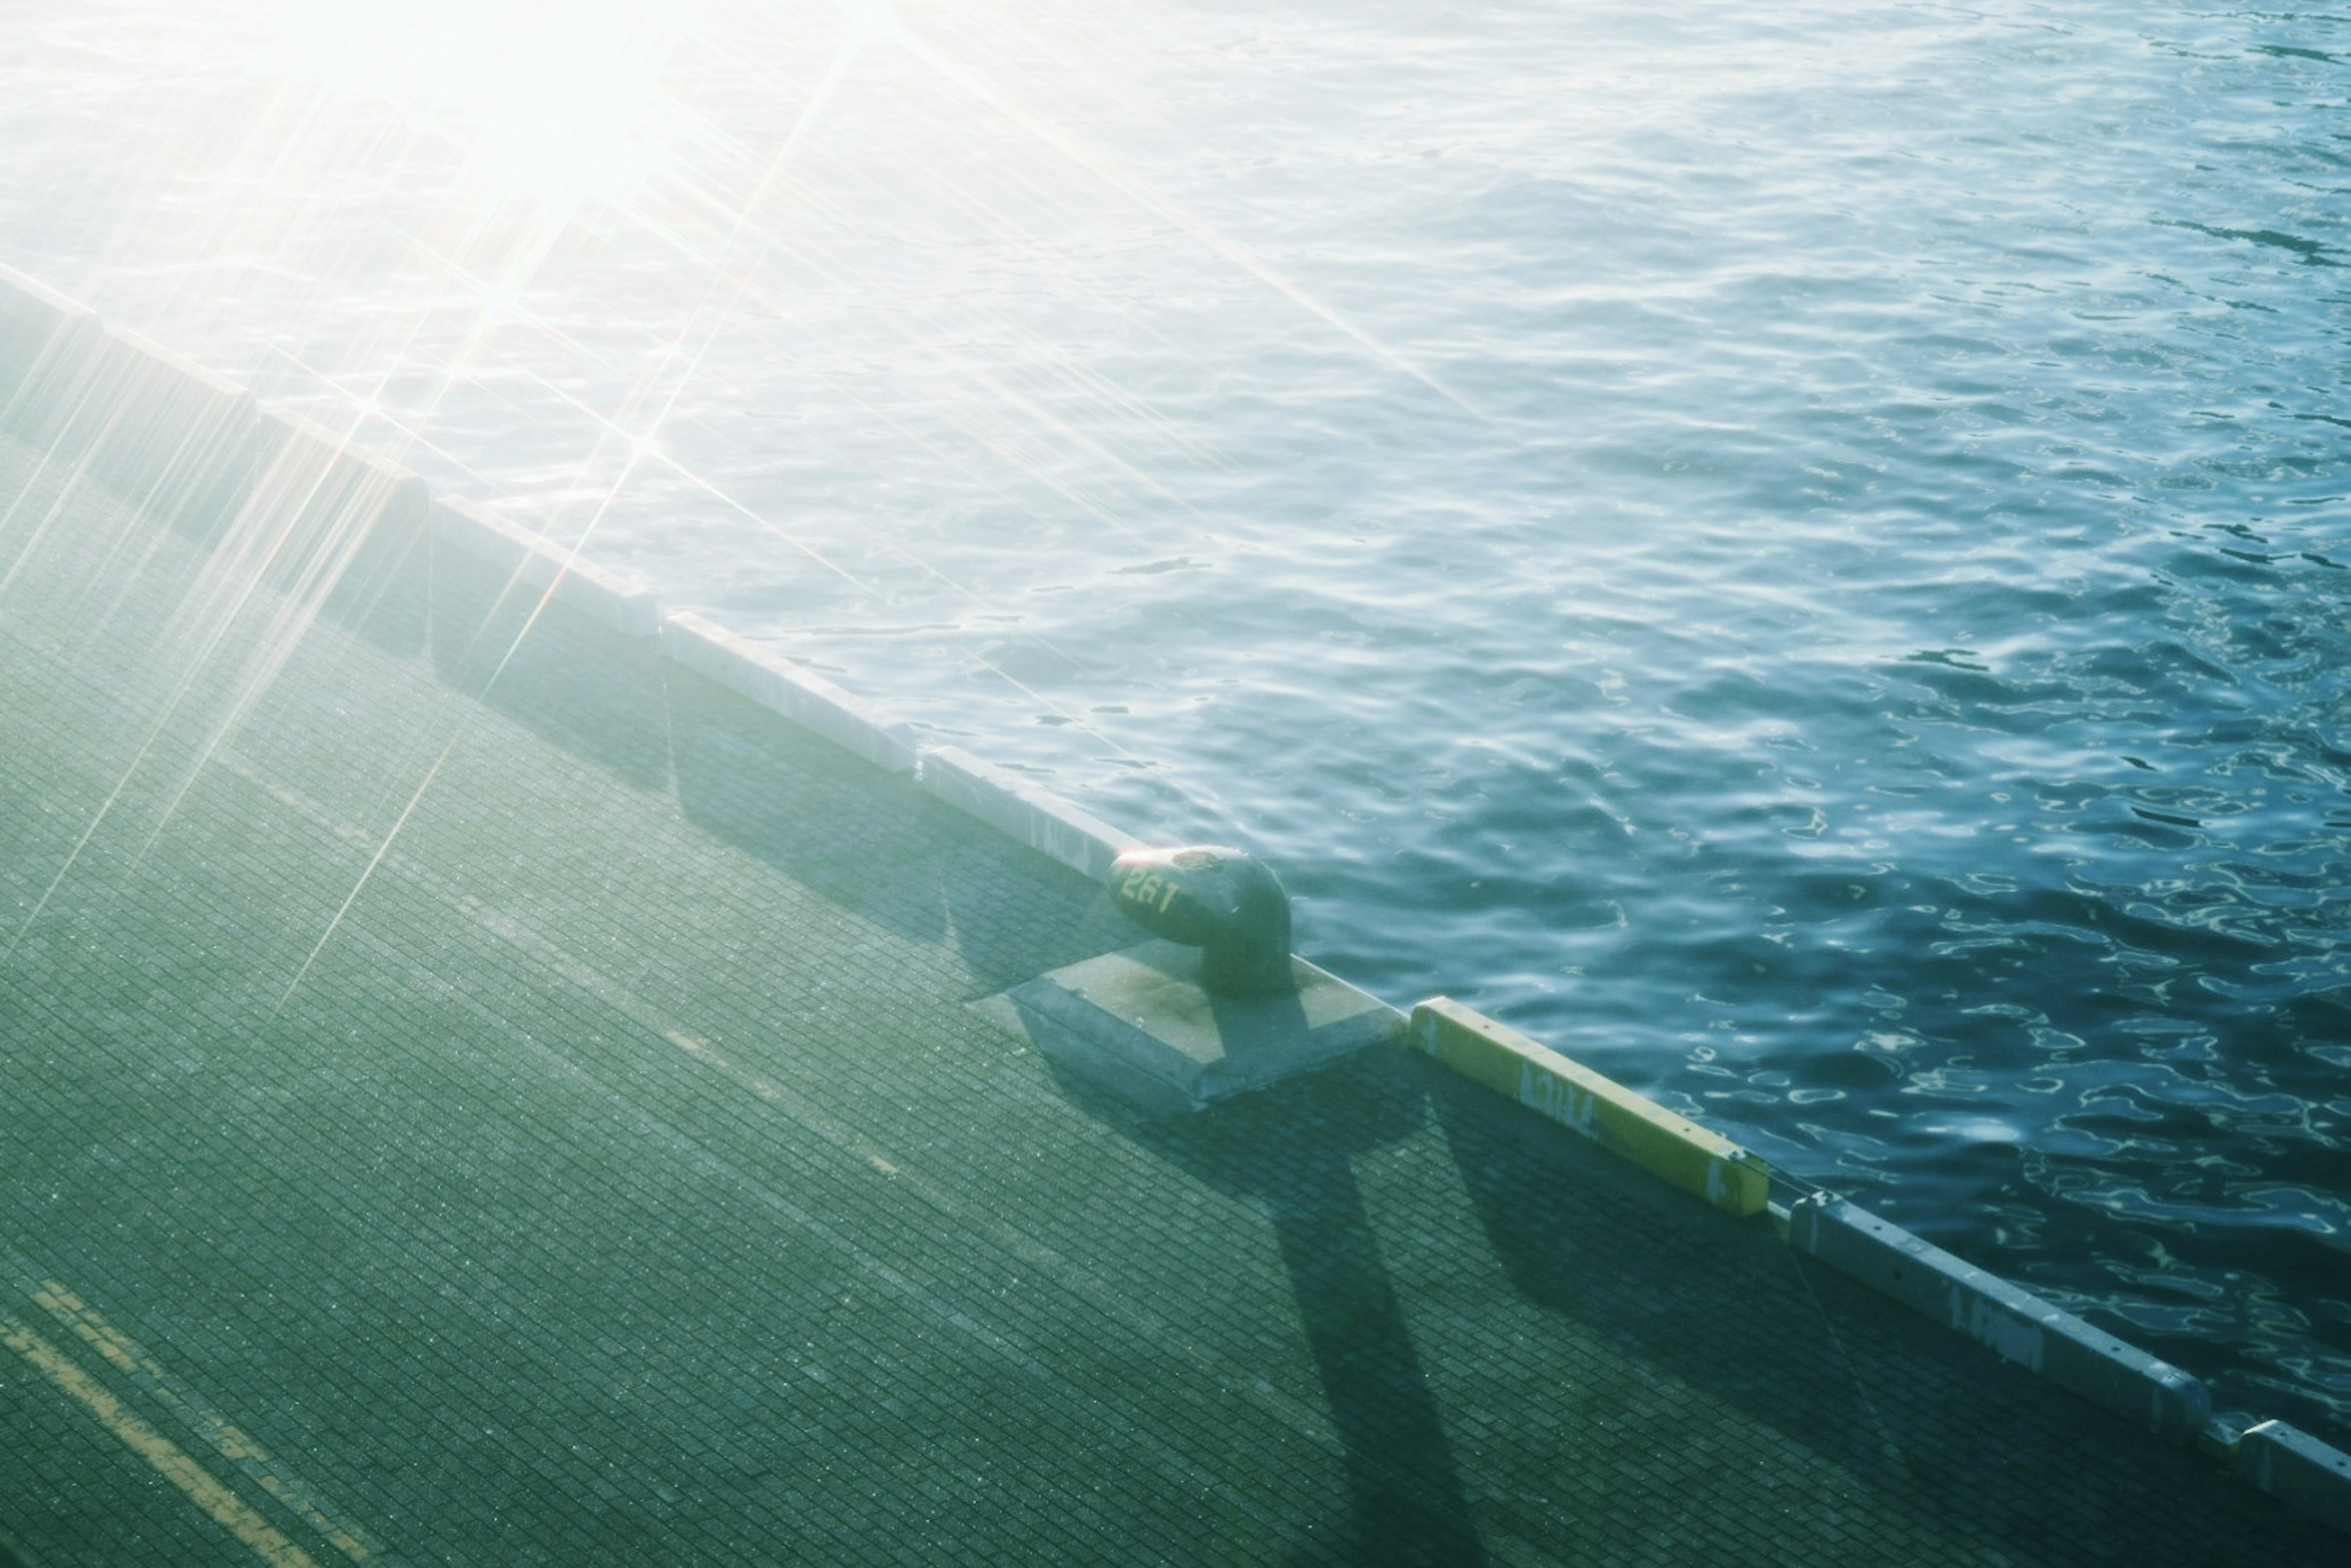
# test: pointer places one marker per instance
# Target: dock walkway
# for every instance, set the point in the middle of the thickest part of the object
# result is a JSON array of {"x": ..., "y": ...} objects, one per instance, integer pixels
[{"x": 607, "y": 1167}]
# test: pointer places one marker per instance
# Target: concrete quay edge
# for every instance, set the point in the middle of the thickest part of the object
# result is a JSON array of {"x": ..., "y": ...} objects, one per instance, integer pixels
[
  {"x": 144, "y": 421},
  {"x": 1021, "y": 809},
  {"x": 2014, "y": 1323},
  {"x": 698, "y": 644},
  {"x": 2297, "y": 1468},
  {"x": 537, "y": 562}
]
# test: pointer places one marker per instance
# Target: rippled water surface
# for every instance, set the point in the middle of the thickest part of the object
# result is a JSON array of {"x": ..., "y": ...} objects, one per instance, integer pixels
[{"x": 1796, "y": 553}]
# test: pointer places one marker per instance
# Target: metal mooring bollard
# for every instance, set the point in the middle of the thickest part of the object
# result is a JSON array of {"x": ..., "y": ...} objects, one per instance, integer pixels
[{"x": 1227, "y": 903}]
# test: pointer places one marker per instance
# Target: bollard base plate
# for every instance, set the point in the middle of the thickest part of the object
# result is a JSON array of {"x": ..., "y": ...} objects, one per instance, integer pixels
[{"x": 1137, "y": 1024}]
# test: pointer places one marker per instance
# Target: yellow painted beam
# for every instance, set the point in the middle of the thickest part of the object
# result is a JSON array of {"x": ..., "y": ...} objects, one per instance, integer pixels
[{"x": 1601, "y": 1109}]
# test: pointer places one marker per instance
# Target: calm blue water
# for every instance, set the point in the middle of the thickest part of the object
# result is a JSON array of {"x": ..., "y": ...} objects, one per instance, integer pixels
[{"x": 1795, "y": 553}]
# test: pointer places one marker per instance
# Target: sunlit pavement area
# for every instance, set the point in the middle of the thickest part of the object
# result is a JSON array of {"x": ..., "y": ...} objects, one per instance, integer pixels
[{"x": 610, "y": 1169}]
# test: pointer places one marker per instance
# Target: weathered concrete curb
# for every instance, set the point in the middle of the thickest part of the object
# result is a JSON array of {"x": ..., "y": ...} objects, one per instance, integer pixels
[
  {"x": 1035, "y": 816},
  {"x": 808, "y": 699},
  {"x": 1987, "y": 1309},
  {"x": 314, "y": 517},
  {"x": 127, "y": 412},
  {"x": 157, "y": 426},
  {"x": 45, "y": 338},
  {"x": 1569, "y": 1094},
  {"x": 605, "y": 597},
  {"x": 2296, "y": 1468}
]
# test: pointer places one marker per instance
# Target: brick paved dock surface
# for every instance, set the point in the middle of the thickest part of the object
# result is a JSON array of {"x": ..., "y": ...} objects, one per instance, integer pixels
[{"x": 624, "y": 1179}]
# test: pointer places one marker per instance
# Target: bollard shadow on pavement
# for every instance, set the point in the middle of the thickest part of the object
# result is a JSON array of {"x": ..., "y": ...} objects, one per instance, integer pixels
[{"x": 1293, "y": 1149}]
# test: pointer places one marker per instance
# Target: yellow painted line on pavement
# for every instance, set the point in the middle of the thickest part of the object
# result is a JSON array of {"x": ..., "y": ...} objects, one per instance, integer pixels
[
  {"x": 168, "y": 1458},
  {"x": 231, "y": 1441}
]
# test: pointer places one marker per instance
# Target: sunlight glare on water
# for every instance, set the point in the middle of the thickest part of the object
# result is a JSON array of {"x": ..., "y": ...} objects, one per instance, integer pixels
[
  {"x": 560, "y": 103},
  {"x": 1794, "y": 553}
]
